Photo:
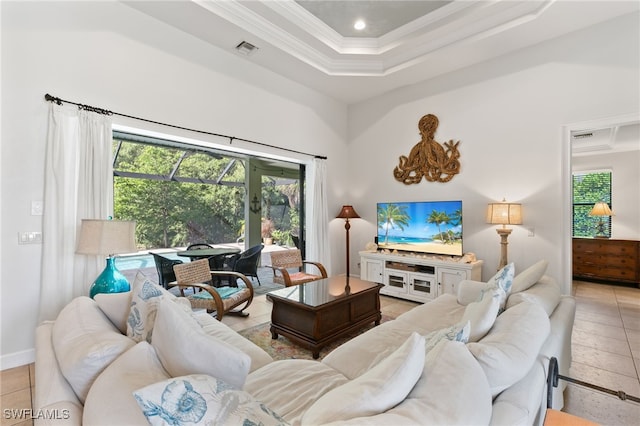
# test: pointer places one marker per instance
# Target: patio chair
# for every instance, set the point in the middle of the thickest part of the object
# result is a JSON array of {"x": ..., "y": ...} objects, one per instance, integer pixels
[
  {"x": 284, "y": 260},
  {"x": 221, "y": 300},
  {"x": 164, "y": 266},
  {"x": 246, "y": 262}
]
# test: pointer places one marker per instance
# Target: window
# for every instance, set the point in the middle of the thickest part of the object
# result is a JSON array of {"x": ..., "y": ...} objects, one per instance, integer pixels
[
  {"x": 181, "y": 194},
  {"x": 589, "y": 188}
]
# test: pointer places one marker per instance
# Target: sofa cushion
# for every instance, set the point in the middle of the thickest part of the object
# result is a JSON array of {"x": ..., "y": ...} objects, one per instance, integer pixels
[
  {"x": 200, "y": 399},
  {"x": 469, "y": 291},
  {"x": 116, "y": 307},
  {"x": 110, "y": 400},
  {"x": 482, "y": 314},
  {"x": 452, "y": 390},
  {"x": 376, "y": 391},
  {"x": 85, "y": 342},
  {"x": 184, "y": 348},
  {"x": 545, "y": 293},
  {"x": 219, "y": 330},
  {"x": 145, "y": 297},
  {"x": 510, "y": 348},
  {"x": 529, "y": 276},
  {"x": 290, "y": 387}
]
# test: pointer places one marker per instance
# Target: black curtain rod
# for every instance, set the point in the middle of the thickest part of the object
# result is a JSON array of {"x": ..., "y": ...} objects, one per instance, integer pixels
[{"x": 60, "y": 101}]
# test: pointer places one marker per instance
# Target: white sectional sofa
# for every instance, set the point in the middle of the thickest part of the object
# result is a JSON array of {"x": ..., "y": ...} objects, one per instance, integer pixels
[{"x": 187, "y": 366}]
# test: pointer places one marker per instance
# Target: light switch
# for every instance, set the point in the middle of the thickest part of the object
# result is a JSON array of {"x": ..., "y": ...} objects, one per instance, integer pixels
[
  {"x": 36, "y": 208},
  {"x": 30, "y": 237}
]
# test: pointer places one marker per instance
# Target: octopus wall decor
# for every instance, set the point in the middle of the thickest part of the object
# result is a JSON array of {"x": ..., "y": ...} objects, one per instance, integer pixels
[{"x": 428, "y": 158}]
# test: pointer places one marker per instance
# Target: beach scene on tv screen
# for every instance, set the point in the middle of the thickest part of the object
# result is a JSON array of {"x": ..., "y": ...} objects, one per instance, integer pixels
[{"x": 426, "y": 227}]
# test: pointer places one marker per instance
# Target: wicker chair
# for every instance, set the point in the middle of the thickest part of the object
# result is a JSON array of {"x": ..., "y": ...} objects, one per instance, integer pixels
[
  {"x": 164, "y": 266},
  {"x": 246, "y": 262},
  {"x": 222, "y": 300},
  {"x": 284, "y": 260}
]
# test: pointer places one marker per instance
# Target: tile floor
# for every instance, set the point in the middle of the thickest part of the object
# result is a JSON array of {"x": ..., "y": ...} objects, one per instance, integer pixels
[{"x": 606, "y": 352}]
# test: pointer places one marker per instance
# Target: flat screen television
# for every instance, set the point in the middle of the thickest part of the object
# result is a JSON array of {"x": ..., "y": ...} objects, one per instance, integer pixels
[{"x": 424, "y": 227}]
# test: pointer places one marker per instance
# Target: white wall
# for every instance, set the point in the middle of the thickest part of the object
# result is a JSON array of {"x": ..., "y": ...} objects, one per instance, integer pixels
[
  {"x": 109, "y": 55},
  {"x": 625, "y": 188},
  {"x": 509, "y": 115}
]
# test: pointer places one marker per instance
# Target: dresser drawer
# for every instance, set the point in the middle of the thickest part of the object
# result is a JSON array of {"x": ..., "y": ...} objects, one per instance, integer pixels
[{"x": 606, "y": 259}]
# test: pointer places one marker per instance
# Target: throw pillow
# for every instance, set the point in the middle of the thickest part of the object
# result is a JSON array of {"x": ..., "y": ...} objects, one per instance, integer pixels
[
  {"x": 201, "y": 399},
  {"x": 116, "y": 307},
  {"x": 482, "y": 314},
  {"x": 184, "y": 348},
  {"x": 145, "y": 297},
  {"x": 529, "y": 276},
  {"x": 503, "y": 280},
  {"x": 85, "y": 343},
  {"x": 379, "y": 389},
  {"x": 457, "y": 333}
]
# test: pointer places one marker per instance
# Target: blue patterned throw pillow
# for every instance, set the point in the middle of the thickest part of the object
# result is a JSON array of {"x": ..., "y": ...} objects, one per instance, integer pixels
[{"x": 202, "y": 399}]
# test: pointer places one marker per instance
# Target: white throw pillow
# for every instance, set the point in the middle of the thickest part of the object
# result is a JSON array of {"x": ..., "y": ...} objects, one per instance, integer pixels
[
  {"x": 184, "y": 348},
  {"x": 508, "y": 351},
  {"x": 85, "y": 343},
  {"x": 379, "y": 389},
  {"x": 116, "y": 306},
  {"x": 145, "y": 297},
  {"x": 482, "y": 314},
  {"x": 201, "y": 399},
  {"x": 457, "y": 333},
  {"x": 529, "y": 276}
]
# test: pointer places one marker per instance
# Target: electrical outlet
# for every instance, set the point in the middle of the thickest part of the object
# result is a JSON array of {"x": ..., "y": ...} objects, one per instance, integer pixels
[{"x": 532, "y": 231}]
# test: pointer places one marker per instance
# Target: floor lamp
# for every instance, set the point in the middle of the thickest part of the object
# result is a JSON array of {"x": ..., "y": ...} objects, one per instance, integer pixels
[
  {"x": 346, "y": 213},
  {"x": 504, "y": 214},
  {"x": 107, "y": 238}
]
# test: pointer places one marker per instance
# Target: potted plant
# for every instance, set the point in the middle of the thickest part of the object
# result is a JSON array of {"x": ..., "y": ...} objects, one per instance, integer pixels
[{"x": 266, "y": 229}]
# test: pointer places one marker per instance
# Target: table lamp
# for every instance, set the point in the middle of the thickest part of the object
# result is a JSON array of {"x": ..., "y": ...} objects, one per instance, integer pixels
[
  {"x": 346, "y": 213},
  {"x": 504, "y": 214},
  {"x": 107, "y": 238},
  {"x": 601, "y": 209}
]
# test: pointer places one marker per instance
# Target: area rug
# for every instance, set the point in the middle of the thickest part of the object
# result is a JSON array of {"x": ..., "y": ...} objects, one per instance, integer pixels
[{"x": 283, "y": 348}]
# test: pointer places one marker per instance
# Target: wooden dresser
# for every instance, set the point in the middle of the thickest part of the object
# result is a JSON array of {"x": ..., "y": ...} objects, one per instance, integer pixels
[{"x": 607, "y": 260}]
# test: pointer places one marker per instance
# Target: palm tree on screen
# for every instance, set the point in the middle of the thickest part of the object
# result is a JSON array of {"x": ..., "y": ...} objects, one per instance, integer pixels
[
  {"x": 439, "y": 218},
  {"x": 392, "y": 216}
]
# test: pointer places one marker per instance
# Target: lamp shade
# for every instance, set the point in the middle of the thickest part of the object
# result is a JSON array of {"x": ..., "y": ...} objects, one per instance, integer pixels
[
  {"x": 601, "y": 209},
  {"x": 347, "y": 212},
  {"x": 106, "y": 237},
  {"x": 504, "y": 213}
]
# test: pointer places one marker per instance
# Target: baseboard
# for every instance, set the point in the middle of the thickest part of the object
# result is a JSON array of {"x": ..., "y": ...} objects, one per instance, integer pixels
[{"x": 17, "y": 359}]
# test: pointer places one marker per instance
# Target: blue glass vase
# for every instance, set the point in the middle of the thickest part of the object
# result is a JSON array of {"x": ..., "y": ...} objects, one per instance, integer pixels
[{"x": 110, "y": 280}]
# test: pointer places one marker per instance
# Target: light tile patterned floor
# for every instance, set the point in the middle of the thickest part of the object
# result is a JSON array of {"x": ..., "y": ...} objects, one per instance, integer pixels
[{"x": 606, "y": 352}]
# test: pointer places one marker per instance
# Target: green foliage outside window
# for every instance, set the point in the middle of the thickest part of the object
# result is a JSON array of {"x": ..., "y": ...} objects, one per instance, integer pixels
[
  {"x": 588, "y": 189},
  {"x": 175, "y": 213}
]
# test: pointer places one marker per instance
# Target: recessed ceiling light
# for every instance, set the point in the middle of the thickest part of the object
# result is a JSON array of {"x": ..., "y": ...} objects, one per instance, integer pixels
[{"x": 359, "y": 25}]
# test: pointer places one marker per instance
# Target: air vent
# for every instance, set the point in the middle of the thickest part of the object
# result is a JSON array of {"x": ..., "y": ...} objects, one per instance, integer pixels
[
  {"x": 246, "y": 48},
  {"x": 582, "y": 135}
]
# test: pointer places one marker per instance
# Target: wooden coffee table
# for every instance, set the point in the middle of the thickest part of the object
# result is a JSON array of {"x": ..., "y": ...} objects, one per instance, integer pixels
[{"x": 317, "y": 313}]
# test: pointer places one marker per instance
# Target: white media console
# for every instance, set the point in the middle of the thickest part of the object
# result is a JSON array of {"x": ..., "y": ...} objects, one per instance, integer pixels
[{"x": 416, "y": 277}]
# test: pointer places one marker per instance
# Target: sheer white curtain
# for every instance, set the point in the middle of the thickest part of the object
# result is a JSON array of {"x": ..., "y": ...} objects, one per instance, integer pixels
[
  {"x": 317, "y": 217},
  {"x": 78, "y": 185}
]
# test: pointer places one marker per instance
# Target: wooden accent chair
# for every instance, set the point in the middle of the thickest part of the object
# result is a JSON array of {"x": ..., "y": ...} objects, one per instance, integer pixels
[
  {"x": 284, "y": 260},
  {"x": 222, "y": 300}
]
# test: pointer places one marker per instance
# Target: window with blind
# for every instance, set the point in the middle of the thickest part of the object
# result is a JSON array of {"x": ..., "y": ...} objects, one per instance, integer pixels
[{"x": 588, "y": 188}]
